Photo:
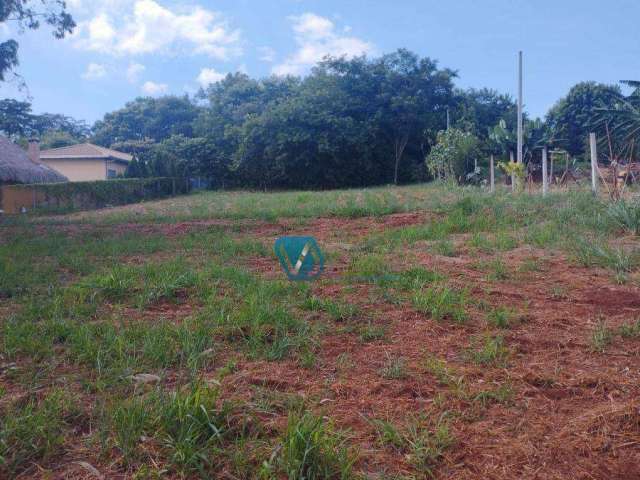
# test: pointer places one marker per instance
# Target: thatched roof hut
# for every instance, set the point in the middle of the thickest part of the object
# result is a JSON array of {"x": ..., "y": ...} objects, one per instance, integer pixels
[{"x": 16, "y": 167}]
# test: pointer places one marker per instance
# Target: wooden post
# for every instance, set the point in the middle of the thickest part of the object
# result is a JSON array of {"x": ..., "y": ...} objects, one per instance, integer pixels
[
  {"x": 544, "y": 172},
  {"x": 594, "y": 163},
  {"x": 492, "y": 175},
  {"x": 551, "y": 177}
]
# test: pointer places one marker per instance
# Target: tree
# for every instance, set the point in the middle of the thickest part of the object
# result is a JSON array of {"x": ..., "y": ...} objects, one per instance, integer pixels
[
  {"x": 16, "y": 119},
  {"x": 573, "y": 117},
  {"x": 25, "y": 16},
  {"x": 453, "y": 156},
  {"x": 147, "y": 118}
]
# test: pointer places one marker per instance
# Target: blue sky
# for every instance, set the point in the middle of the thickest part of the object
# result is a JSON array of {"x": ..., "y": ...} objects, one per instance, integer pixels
[{"x": 127, "y": 48}]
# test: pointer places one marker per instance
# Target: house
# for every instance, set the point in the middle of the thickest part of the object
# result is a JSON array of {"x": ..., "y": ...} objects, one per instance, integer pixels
[
  {"x": 16, "y": 167},
  {"x": 83, "y": 162}
]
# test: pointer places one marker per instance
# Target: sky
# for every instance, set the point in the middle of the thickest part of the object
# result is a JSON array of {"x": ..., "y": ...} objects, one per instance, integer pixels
[{"x": 122, "y": 49}]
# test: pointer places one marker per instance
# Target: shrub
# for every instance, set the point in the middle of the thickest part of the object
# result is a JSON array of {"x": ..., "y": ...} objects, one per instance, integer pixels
[{"x": 626, "y": 215}]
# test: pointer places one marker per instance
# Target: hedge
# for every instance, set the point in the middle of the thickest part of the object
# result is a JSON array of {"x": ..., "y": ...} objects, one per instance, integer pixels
[{"x": 98, "y": 194}]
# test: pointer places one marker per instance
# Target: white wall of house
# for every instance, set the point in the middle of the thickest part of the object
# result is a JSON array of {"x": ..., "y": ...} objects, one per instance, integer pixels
[{"x": 84, "y": 170}]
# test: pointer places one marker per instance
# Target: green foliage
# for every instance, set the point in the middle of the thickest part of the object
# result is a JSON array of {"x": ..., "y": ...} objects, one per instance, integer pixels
[
  {"x": 33, "y": 431},
  {"x": 452, "y": 157},
  {"x": 601, "y": 336},
  {"x": 88, "y": 195},
  {"x": 577, "y": 114},
  {"x": 311, "y": 450},
  {"x": 26, "y": 15},
  {"x": 441, "y": 302},
  {"x": 492, "y": 351},
  {"x": 627, "y": 215},
  {"x": 421, "y": 439}
]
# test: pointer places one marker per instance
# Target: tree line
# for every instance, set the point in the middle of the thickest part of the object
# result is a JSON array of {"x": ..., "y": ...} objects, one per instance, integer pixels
[{"x": 349, "y": 123}]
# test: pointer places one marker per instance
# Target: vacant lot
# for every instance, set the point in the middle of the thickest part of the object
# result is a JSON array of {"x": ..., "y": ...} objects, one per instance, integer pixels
[{"x": 453, "y": 335}]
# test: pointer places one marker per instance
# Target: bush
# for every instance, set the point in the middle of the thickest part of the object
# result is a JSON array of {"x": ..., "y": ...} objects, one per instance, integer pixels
[
  {"x": 452, "y": 158},
  {"x": 87, "y": 195},
  {"x": 626, "y": 215}
]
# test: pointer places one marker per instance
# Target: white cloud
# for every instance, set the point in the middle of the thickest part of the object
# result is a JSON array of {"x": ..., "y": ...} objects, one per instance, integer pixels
[
  {"x": 267, "y": 54},
  {"x": 154, "y": 89},
  {"x": 145, "y": 26},
  {"x": 316, "y": 37},
  {"x": 94, "y": 71},
  {"x": 134, "y": 70},
  {"x": 208, "y": 76}
]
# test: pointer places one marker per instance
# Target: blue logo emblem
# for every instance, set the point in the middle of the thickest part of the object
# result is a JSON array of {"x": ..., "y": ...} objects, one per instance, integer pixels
[{"x": 300, "y": 257}]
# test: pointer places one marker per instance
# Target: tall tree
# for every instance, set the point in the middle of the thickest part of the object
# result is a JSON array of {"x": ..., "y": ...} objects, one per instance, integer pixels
[
  {"x": 573, "y": 117},
  {"x": 147, "y": 118},
  {"x": 26, "y": 16}
]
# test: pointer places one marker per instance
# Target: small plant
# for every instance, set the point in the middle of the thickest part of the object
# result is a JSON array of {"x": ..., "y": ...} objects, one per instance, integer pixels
[
  {"x": 421, "y": 439},
  {"x": 501, "y": 317},
  {"x": 372, "y": 333},
  {"x": 395, "y": 368},
  {"x": 445, "y": 248},
  {"x": 626, "y": 215},
  {"x": 442, "y": 303},
  {"x": 493, "y": 351},
  {"x": 502, "y": 394},
  {"x": 498, "y": 270},
  {"x": 601, "y": 336},
  {"x": 33, "y": 432},
  {"x": 630, "y": 330},
  {"x": 312, "y": 450}
]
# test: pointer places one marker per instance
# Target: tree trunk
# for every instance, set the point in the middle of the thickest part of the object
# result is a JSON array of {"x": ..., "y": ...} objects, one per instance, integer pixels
[{"x": 400, "y": 145}]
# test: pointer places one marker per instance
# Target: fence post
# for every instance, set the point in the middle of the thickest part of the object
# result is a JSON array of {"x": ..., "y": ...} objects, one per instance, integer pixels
[
  {"x": 492, "y": 175},
  {"x": 594, "y": 163},
  {"x": 545, "y": 180}
]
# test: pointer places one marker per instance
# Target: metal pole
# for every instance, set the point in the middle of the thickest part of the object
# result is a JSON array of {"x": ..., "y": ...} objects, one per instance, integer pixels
[
  {"x": 492, "y": 175},
  {"x": 545, "y": 180},
  {"x": 448, "y": 120},
  {"x": 594, "y": 163},
  {"x": 520, "y": 129}
]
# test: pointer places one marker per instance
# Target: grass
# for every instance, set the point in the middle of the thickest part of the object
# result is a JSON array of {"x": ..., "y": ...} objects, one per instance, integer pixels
[
  {"x": 601, "y": 336},
  {"x": 34, "y": 431},
  {"x": 311, "y": 449},
  {"x": 501, "y": 317},
  {"x": 90, "y": 300},
  {"x": 422, "y": 440},
  {"x": 491, "y": 350},
  {"x": 394, "y": 368},
  {"x": 441, "y": 302}
]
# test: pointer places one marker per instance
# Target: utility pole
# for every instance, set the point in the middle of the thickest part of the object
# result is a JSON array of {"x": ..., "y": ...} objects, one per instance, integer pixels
[
  {"x": 594, "y": 163},
  {"x": 448, "y": 121},
  {"x": 520, "y": 130}
]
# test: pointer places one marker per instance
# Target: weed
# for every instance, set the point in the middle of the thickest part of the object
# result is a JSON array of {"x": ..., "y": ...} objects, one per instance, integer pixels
[
  {"x": 445, "y": 248},
  {"x": 372, "y": 333},
  {"x": 312, "y": 450},
  {"x": 501, "y": 317},
  {"x": 33, "y": 431},
  {"x": 394, "y": 368},
  {"x": 601, "y": 336},
  {"x": 626, "y": 215},
  {"x": 502, "y": 394},
  {"x": 442, "y": 303},
  {"x": 422, "y": 440},
  {"x": 498, "y": 270},
  {"x": 492, "y": 351},
  {"x": 630, "y": 330}
]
